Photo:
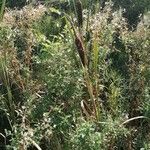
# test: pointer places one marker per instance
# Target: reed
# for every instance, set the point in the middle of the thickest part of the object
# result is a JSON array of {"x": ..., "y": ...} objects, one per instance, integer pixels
[
  {"x": 81, "y": 47},
  {"x": 4, "y": 77}
]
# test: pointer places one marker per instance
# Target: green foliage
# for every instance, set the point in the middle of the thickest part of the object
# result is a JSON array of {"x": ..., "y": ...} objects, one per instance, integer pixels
[
  {"x": 85, "y": 137},
  {"x": 90, "y": 136},
  {"x": 133, "y": 10},
  {"x": 16, "y": 4},
  {"x": 51, "y": 24},
  {"x": 74, "y": 80}
]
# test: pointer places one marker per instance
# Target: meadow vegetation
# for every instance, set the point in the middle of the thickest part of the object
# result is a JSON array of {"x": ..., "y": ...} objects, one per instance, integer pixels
[{"x": 75, "y": 74}]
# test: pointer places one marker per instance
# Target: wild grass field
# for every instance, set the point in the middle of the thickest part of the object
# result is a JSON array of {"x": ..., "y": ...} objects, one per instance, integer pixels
[{"x": 75, "y": 75}]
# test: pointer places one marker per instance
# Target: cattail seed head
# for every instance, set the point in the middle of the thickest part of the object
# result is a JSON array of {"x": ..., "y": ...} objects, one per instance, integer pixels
[
  {"x": 79, "y": 12},
  {"x": 80, "y": 49}
]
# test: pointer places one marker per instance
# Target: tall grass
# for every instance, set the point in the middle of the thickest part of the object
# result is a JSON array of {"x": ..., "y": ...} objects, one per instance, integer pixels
[
  {"x": 74, "y": 92},
  {"x": 2, "y": 9}
]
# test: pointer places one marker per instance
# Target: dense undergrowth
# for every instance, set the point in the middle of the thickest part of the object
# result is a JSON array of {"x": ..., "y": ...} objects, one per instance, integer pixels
[{"x": 75, "y": 78}]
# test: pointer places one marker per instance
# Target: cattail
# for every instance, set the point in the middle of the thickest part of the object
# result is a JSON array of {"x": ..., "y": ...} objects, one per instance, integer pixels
[
  {"x": 80, "y": 50},
  {"x": 79, "y": 13},
  {"x": 79, "y": 44}
]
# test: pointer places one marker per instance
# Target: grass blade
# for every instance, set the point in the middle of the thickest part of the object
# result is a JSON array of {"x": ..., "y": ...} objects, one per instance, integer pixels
[{"x": 2, "y": 9}]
